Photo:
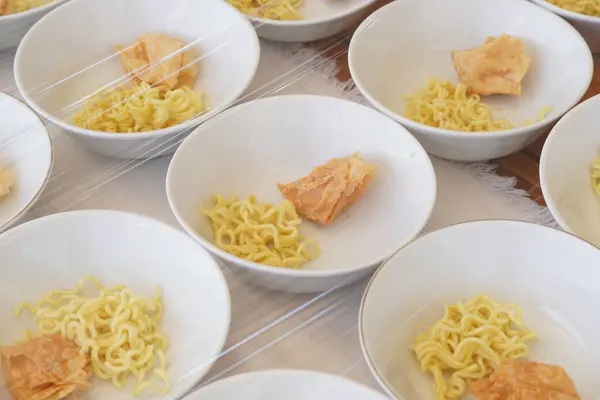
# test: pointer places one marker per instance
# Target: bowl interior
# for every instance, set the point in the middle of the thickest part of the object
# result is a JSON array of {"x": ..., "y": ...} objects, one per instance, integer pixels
[
  {"x": 276, "y": 384},
  {"x": 251, "y": 148},
  {"x": 70, "y": 53},
  {"x": 565, "y": 169},
  {"x": 551, "y": 275},
  {"x": 55, "y": 252},
  {"x": 25, "y": 153},
  {"x": 399, "y": 47}
]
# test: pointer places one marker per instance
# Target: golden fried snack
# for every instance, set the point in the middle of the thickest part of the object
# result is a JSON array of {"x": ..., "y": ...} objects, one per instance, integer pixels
[
  {"x": 496, "y": 67},
  {"x": 329, "y": 189},
  {"x": 526, "y": 380},
  {"x": 158, "y": 59},
  {"x": 45, "y": 368}
]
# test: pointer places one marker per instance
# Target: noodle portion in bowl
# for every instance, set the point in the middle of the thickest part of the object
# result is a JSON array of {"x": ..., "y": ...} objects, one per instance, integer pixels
[
  {"x": 260, "y": 232},
  {"x": 8, "y": 7},
  {"x": 282, "y": 10},
  {"x": 116, "y": 328},
  {"x": 471, "y": 341},
  {"x": 140, "y": 109},
  {"x": 443, "y": 105},
  {"x": 586, "y": 7}
]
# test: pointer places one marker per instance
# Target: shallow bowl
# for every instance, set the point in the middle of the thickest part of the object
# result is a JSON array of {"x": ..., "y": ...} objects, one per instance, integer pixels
[
  {"x": 552, "y": 275},
  {"x": 400, "y": 46},
  {"x": 56, "y": 80},
  {"x": 57, "y": 251},
  {"x": 26, "y": 155},
  {"x": 565, "y": 168},
  {"x": 253, "y": 147}
]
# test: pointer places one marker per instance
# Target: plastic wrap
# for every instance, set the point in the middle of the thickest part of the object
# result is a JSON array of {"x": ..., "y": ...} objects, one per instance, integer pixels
[{"x": 269, "y": 329}]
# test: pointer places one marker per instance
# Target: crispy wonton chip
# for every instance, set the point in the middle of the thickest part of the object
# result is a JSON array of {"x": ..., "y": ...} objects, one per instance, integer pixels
[
  {"x": 158, "y": 59},
  {"x": 526, "y": 380},
  {"x": 496, "y": 67},
  {"x": 329, "y": 188},
  {"x": 45, "y": 368}
]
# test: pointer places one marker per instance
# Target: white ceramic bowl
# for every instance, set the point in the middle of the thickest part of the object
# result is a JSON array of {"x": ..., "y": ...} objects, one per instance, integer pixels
[
  {"x": 56, "y": 251},
  {"x": 251, "y": 148},
  {"x": 588, "y": 26},
  {"x": 26, "y": 154},
  {"x": 55, "y": 79},
  {"x": 324, "y": 18},
  {"x": 565, "y": 167},
  {"x": 13, "y": 27},
  {"x": 552, "y": 275},
  {"x": 285, "y": 384},
  {"x": 399, "y": 47}
]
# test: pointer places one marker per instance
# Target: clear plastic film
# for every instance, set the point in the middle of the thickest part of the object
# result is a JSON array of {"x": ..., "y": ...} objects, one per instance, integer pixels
[{"x": 266, "y": 329}]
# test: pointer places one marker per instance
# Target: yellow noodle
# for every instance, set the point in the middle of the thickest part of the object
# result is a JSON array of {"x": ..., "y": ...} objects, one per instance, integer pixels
[
  {"x": 595, "y": 176},
  {"x": 116, "y": 328},
  {"x": 443, "y": 105},
  {"x": 587, "y": 7},
  {"x": 262, "y": 233},
  {"x": 469, "y": 342},
  {"x": 141, "y": 108},
  {"x": 284, "y": 10},
  {"x": 541, "y": 115}
]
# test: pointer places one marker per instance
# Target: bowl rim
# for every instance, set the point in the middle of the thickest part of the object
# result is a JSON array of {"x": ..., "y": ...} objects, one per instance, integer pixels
[
  {"x": 439, "y": 132},
  {"x": 566, "y": 13},
  {"x": 48, "y": 173},
  {"x": 296, "y": 272},
  {"x": 379, "y": 377},
  {"x": 278, "y": 372},
  {"x": 232, "y": 99},
  {"x": 545, "y": 158},
  {"x": 32, "y": 11},
  {"x": 220, "y": 339},
  {"x": 311, "y": 22}
]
